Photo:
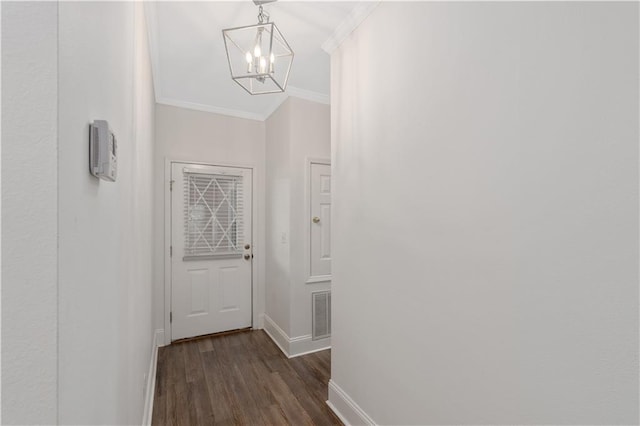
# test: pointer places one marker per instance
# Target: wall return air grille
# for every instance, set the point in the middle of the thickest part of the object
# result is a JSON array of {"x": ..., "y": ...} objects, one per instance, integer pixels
[{"x": 321, "y": 314}]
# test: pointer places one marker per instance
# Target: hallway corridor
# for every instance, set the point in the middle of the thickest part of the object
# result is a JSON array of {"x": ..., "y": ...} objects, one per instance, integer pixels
[{"x": 240, "y": 378}]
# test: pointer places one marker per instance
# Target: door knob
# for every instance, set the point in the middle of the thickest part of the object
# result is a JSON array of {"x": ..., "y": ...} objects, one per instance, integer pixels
[
  {"x": 247, "y": 246},
  {"x": 316, "y": 219},
  {"x": 247, "y": 256}
]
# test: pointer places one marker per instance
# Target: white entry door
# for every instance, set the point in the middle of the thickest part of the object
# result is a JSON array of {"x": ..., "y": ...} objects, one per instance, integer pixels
[
  {"x": 320, "y": 221},
  {"x": 211, "y": 249}
]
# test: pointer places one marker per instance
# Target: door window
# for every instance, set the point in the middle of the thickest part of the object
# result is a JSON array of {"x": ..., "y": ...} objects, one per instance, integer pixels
[{"x": 213, "y": 220}]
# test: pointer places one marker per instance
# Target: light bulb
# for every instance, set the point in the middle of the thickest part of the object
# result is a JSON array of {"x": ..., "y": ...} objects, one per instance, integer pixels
[
  {"x": 273, "y": 60},
  {"x": 263, "y": 64},
  {"x": 249, "y": 61},
  {"x": 257, "y": 51}
]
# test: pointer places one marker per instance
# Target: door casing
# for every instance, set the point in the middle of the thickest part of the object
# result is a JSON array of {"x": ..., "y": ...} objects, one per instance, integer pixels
[{"x": 256, "y": 283}]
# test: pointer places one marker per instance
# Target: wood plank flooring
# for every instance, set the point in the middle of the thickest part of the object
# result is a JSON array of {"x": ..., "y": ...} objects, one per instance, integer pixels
[{"x": 240, "y": 379}]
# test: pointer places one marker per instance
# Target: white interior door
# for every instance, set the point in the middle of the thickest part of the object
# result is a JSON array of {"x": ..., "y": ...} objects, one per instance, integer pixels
[
  {"x": 320, "y": 220},
  {"x": 211, "y": 249}
]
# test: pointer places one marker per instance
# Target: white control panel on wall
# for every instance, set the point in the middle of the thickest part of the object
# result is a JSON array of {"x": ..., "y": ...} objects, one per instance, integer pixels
[{"x": 103, "y": 160}]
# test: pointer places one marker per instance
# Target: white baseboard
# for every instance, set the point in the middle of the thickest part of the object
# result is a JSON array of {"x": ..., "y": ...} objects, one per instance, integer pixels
[
  {"x": 278, "y": 335},
  {"x": 293, "y": 346},
  {"x": 260, "y": 323},
  {"x": 305, "y": 345},
  {"x": 159, "y": 336},
  {"x": 158, "y": 340},
  {"x": 345, "y": 408}
]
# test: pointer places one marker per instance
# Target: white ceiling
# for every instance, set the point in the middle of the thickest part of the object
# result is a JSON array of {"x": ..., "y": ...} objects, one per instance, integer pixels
[{"x": 189, "y": 61}]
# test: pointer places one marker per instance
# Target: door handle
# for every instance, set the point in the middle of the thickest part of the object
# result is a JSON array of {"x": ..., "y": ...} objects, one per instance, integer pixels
[
  {"x": 316, "y": 219},
  {"x": 247, "y": 256}
]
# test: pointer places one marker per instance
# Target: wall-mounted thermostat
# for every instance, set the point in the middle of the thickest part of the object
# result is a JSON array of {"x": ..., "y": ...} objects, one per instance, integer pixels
[{"x": 103, "y": 158}]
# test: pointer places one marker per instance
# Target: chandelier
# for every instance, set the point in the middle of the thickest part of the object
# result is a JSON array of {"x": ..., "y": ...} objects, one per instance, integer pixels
[{"x": 259, "y": 56}]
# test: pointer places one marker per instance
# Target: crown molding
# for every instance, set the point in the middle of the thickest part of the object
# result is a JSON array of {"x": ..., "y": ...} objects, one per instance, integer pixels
[
  {"x": 318, "y": 97},
  {"x": 274, "y": 107},
  {"x": 209, "y": 108},
  {"x": 295, "y": 92},
  {"x": 359, "y": 13}
]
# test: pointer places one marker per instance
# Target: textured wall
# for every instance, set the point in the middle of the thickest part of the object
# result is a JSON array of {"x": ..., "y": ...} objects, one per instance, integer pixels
[
  {"x": 105, "y": 246},
  {"x": 29, "y": 212}
]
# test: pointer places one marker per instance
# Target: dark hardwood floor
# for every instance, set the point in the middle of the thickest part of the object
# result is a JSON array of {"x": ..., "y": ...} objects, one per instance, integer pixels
[{"x": 240, "y": 379}]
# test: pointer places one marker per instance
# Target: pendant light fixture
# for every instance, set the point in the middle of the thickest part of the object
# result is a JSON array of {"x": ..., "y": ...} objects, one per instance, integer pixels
[{"x": 259, "y": 56}]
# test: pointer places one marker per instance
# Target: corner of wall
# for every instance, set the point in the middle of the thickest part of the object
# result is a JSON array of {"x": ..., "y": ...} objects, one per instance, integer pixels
[
  {"x": 293, "y": 346},
  {"x": 276, "y": 334},
  {"x": 150, "y": 386}
]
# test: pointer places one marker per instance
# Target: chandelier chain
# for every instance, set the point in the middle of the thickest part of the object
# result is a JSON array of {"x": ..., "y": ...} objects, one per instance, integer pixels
[{"x": 263, "y": 17}]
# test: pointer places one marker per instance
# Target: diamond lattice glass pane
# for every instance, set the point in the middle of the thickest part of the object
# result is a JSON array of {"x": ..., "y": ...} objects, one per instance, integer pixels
[{"x": 213, "y": 216}]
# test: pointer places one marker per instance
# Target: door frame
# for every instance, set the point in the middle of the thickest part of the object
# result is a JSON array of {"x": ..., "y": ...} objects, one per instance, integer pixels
[
  {"x": 311, "y": 279},
  {"x": 256, "y": 283}
]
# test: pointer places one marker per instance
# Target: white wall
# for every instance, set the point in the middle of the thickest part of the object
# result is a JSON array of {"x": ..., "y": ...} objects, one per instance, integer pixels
[
  {"x": 299, "y": 130},
  {"x": 278, "y": 201},
  {"x": 485, "y": 169},
  {"x": 278, "y": 148},
  {"x": 310, "y": 139},
  {"x": 29, "y": 212},
  {"x": 105, "y": 253},
  {"x": 196, "y": 136},
  {"x": 140, "y": 299}
]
